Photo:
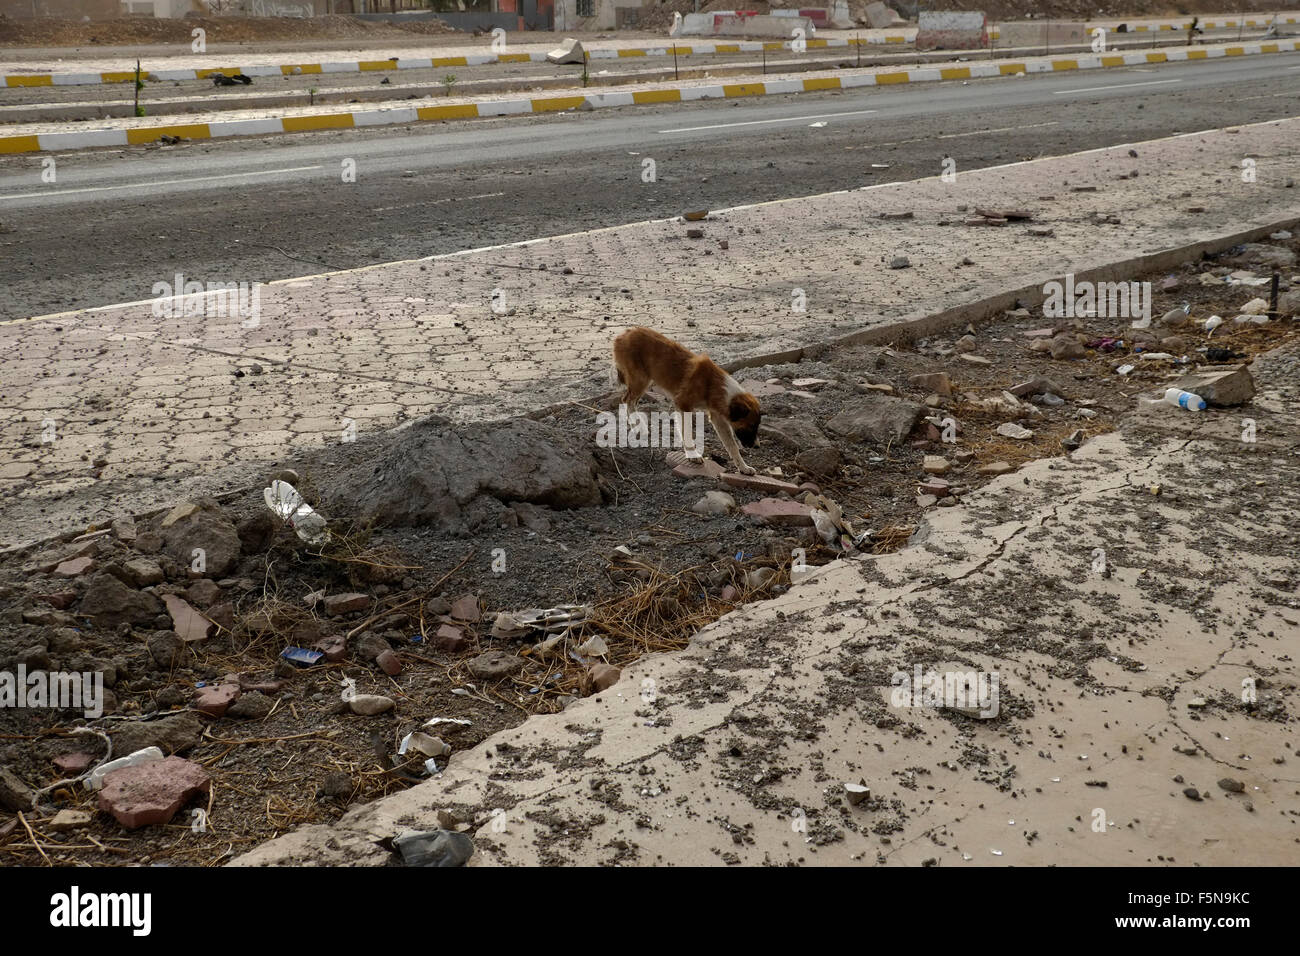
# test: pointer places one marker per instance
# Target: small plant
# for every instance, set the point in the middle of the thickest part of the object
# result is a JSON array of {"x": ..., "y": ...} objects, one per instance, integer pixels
[
  {"x": 139, "y": 85},
  {"x": 312, "y": 94},
  {"x": 449, "y": 81},
  {"x": 586, "y": 61}
]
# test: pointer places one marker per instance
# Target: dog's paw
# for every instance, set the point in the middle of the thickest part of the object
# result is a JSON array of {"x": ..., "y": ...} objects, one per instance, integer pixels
[{"x": 746, "y": 470}]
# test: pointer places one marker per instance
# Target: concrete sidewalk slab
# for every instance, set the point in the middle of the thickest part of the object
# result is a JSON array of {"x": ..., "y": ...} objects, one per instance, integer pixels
[
  {"x": 139, "y": 408},
  {"x": 1119, "y": 687},
  {"x": 126, "y": 131}
]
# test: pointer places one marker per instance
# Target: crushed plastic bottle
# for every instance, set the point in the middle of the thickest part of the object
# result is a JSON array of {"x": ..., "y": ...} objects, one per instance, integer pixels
[
  {"x": 287, "y": 504},
  {"x": 96, "y": 779},
  {"x": 1187, "y": 400}
]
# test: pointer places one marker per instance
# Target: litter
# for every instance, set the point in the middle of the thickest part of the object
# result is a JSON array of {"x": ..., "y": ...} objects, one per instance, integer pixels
[
  {"x": 96, "y": 779},
  {"x": 301, "y": 656},
  {"x": 288, "y": 505},
  {"x": 552, "y": 620},
  {"x": 439, "y": 848},
  {"x": 594, "y": 646},
  {"x": 1187, "y": 400},
  {"x": 434, "y": 721},
  {"x": 423, "y": 744}
]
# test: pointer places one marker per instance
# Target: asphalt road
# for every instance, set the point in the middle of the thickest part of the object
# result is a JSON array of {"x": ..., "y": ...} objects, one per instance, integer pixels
[{"x": 116, "y": 221}]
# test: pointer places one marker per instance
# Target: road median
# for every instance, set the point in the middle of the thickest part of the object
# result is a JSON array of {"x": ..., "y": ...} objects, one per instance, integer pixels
[{"x": 49, "y": 137}]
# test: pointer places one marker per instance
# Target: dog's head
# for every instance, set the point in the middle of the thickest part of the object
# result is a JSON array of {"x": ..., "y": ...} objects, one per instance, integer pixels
[{"x": 745, "y": 416}]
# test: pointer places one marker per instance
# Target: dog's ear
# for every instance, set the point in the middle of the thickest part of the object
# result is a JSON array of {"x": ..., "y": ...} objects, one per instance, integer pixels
[{"x": 742, "y": 407}]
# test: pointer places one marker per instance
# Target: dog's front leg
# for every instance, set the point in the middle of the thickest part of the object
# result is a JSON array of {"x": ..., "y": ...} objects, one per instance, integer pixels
[{"x": 728, "y": 439}]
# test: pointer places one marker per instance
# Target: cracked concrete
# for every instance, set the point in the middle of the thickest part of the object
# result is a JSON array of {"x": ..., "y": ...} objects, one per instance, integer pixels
[{"x": 1137, "y": 601}]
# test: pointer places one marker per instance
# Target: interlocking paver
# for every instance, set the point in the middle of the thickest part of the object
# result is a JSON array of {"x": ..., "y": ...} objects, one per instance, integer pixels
[{"x": 131, "y": 388}]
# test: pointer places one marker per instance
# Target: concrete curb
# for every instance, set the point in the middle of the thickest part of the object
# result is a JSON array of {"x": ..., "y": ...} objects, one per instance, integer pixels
[
  {"x": 50, "y": 142},
  {"x": 486, "y": 59},
  {"x": 437, "y": 62}
]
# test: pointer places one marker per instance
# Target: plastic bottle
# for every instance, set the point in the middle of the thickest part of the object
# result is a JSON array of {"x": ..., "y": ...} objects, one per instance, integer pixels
[
  {"x": 96, "y": 779},
  {"x": 1193, "y": 403}
]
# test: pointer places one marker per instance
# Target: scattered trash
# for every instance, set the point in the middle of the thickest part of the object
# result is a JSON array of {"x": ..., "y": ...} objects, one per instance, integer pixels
[
  {"x": 301, "y": 656},
  {"x": 1013, "y": 430},
  {"x": 594, "y": 646},
  {"x": 423, "y": 744},
  {"x": 1176, "y": 396},
  {"x": 552, "y": 620},
  {"x": 440, "y": 848},
  {"x": 287, "y": 504}
]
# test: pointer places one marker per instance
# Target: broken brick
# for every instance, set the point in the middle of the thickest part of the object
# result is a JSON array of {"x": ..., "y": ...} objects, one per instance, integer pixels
[
  {"x": 187, "y": 622},
  {"x": 771, "y": 486},
  {"x": 337, "y": 604},
  {"x": 450, "y": 638},
  {"x": 152, "y": 792},
  {"x": 215, "y": 699},
  {"x": 779, "y": 511}
]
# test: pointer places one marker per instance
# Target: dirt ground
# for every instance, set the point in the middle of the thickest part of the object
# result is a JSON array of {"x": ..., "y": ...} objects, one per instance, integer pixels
[{"x": 296, "y": 755}]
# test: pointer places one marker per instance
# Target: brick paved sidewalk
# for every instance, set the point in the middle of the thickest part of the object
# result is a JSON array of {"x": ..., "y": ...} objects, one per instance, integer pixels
[{"x": 144, "y": 408}]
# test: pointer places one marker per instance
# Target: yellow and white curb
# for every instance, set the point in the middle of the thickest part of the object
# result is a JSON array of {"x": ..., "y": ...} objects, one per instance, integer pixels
[
  {"x": 426, "y": 63},
  {"x": 82, "y": 139},
  {"x": 534, "y": 56}
]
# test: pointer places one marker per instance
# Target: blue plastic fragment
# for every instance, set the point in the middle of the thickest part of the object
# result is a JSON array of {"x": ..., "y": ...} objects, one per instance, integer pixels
[
  {"x": 417, "y": 638},
  {"x": 301, "y": 656}
]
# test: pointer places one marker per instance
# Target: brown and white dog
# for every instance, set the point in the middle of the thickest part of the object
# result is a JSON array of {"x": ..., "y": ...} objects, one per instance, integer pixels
[{"x": 694, "y": 382}]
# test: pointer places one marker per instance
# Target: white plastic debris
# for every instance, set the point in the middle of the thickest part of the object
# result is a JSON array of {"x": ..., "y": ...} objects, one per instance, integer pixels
[
  {"x": 1212, "y": 323},
  {"x": 434, "y": 721},
  {"x": 423, "y": 744},
  {"x": 1256, "y": 306},
  {"x": 96, "y": 779},
  {"x": 594, "y": 646},
  {"x": 287, "y": 503}
]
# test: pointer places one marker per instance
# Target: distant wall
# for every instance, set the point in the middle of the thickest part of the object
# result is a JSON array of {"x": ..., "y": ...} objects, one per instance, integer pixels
[
  {"x": 467, "y": 21},
  {"x": 74, "y": 9},
  {"x": 952, "y": 30},
  {"x": 1045, "y": 33}
]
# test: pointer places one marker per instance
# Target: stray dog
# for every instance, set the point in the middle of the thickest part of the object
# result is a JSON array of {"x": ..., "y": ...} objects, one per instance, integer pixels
[{"x": 694, "y": 382}]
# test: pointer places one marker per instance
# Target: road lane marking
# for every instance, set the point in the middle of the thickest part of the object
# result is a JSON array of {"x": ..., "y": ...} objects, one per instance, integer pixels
[
  {"x": 787, "y": 119},
  {"x": 1116, "y": 86},
  {"x": 165, "y": 182}
]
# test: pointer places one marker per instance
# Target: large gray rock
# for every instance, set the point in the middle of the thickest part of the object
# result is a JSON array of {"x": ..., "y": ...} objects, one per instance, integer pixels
[
  {"x": 459, "y": 478},
  {"x": 208, "y": 530},
  {"x": 15, "y": 795},
  {"x": 880, "y": 419},
  {"x": 109, "y": 603},
  {"x": 1220, "y": 386},
  {"x": 798, "y": 433},
  {"x": 171, "y": 735}
]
